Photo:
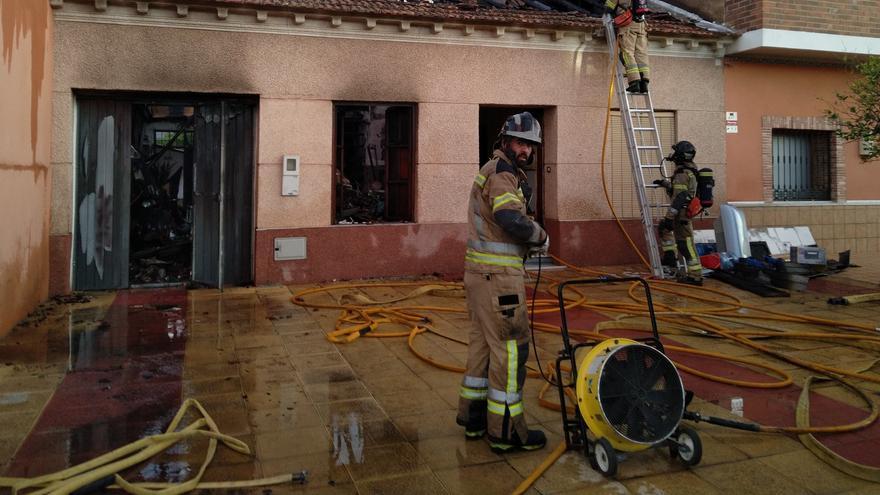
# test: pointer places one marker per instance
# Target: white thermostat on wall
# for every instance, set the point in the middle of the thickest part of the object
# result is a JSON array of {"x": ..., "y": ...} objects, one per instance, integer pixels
[{"x": 290, "y": 175}]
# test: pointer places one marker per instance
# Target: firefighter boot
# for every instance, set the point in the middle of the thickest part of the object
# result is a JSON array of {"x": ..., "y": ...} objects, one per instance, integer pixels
[
  {"x": 534, "y": 440},
  {"x": 634, "y": 86},
  {"x": 687, "y": 279},
  {"x": 474, "y": 429},
  {"x": 668, "y": 259},
  {"x": 643, "y": 85}
]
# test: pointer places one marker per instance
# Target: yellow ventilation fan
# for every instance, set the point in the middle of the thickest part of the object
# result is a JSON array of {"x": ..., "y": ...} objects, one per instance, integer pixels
[{"x": 630, "y": 397}]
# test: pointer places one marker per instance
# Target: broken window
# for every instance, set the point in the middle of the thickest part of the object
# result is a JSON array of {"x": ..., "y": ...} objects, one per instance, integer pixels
[
  {"x": 374, "y": 164},
  {"x": 801, "y": 165}
]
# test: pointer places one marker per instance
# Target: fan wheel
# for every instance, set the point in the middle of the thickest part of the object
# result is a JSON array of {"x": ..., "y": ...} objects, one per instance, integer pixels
[
  {"x": 605, "y": 457},
  {"x": 687, "y": 446}
]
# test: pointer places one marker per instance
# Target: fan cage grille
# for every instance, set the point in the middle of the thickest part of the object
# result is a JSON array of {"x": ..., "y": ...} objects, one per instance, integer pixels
[{"x": 640, "y": 393}]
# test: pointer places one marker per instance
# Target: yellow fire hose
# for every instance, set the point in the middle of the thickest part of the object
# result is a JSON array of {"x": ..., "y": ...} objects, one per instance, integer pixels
[
  {"x": 355, "y": 322},
  {"x": 109, "y": 465}
]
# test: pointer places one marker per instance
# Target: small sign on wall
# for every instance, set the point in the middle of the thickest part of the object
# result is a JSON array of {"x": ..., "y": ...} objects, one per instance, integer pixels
[{"x": 732, "y": 125}]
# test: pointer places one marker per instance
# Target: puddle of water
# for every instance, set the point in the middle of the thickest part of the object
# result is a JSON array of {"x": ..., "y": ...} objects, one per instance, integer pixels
[
  {"x": 123, "y": 382},
  {"x": 347, "y": 432}
]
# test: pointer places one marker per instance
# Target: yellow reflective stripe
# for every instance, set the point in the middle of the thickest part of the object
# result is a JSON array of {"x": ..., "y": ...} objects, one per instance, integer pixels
[
  {"x": 515, "y": 409},
  {"x": 495, "y": 408},
  {"x": 472, "y": 394},
  {"x": 503, "y": 200},
  {"x": 679, "y": 187},
  {"x": 512, "y": 361},
  {"x": 480, "y": 180},
  {"x": 492, "y": 259},
  {"x": 611, "y": 3},
  {"x": 689, "y": 242},
  {"x": 499, "y": 408}
]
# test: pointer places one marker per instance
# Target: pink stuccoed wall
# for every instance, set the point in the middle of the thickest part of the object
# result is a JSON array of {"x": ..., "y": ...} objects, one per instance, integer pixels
[
  {"x": 754, "y": 90},
  {"x": 26, "y": 79},
  {"x": 298, "y": 80}
]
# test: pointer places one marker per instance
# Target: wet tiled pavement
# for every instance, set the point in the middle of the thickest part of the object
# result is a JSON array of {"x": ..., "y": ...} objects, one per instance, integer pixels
[{"x": 370, "y": 417}]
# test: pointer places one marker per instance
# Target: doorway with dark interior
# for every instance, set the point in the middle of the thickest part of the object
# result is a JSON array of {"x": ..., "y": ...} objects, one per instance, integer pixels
[
  {"x": 164, "y": 190},
  {"x": 161, "y": 194},
  {"x": 491, "y": 120}
]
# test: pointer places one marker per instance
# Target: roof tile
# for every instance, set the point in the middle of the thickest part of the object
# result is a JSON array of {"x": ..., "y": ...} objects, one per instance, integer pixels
[{"x": 468, "y": 11}]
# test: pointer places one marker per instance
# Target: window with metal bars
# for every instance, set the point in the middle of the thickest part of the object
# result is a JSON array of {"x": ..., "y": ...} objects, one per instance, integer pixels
[{"x": 801, "y": 165}]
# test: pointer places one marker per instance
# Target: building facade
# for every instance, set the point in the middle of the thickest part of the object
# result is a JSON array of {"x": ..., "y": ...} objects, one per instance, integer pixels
[
  {"x": 786, "y": 166},
  {"x": 303, "y": 141},
  {"x": 26, "y": 33}
]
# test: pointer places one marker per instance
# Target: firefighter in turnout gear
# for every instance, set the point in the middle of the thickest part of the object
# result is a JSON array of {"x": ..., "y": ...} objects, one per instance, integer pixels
[
  {"x": 500, "y": 236},
  {"x": 676, "y": 229},
  {"x": 632, "y": 38}
]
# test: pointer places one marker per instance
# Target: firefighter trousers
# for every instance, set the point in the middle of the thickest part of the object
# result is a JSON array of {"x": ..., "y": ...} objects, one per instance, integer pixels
[
  {"x": 490, "y": 396},
  {"x": 681, "y": 240},
  {"x": 633, "y": 39}
]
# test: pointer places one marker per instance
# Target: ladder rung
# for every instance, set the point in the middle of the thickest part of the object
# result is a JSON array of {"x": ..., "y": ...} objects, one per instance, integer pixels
[
  {"x": 651, "y": 147},
  {"x": 643, "y": 128},
  {"x": 639, "y": 110},
  {"x": 652, "y": 166}
]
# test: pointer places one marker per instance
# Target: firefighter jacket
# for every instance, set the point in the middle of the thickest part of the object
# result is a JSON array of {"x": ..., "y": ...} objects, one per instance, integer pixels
[
  {"x": 682, "y": 190},
  {"x": 499, "y": 231}
]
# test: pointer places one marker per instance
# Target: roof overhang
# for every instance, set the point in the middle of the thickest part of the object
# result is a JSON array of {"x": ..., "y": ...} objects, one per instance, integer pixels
[
  {"x": 805, "y": 45},
  {"x": 250, "y": 16}
]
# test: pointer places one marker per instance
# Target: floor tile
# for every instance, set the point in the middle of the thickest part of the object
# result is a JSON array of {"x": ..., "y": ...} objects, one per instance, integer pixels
[
  {"x": 268, "y": 420},
  {"x": 455, "y": 451},
  {"x": 482, "y": 479},
  {"x": 348, "y": 411},
  {"x": 804, "y": 468},
  {"x": 372, "y": 463},
  {"x": 428, "y": 425},
  {"x": 414, "y": 484},
  {"x": 287, "y": 443},
  {"x": 750, "y": 476},
  {"x": 336, "y": 390}
]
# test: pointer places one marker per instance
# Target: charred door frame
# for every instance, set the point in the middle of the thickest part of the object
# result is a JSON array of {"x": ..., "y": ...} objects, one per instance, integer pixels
[{"x": 126, "y": 99}]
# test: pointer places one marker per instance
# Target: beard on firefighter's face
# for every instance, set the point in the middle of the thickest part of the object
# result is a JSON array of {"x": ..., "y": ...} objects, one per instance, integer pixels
[{"x": 519, "y": 151}]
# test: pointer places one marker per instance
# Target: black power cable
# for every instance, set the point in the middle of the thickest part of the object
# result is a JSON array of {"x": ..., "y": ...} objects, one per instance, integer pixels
[{"x": 532, "y": 323}]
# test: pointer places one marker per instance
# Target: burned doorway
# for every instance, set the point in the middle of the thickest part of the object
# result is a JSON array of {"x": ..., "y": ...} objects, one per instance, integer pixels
[
  {"x": 161, "y": 207},
  {"x": 491, "y": 120},
  {"x": 374, "y": 179},
  {"x": 164, "y": 191}
]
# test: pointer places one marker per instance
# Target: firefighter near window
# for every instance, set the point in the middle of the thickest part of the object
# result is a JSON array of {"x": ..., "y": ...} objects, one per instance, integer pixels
[
  {"x": 632, "y": 38},
  {"x": 500, "y": 236},
  {"x": 690, "y": 191}
]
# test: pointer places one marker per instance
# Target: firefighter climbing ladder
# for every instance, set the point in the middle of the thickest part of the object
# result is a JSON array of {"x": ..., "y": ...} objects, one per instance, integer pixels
[{"x": 643, "y": 144}]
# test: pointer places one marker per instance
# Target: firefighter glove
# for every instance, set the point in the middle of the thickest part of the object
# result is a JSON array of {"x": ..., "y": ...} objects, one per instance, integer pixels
[
  {"x": 540, "y": 250},
  {"x": 664, "y": 183}
]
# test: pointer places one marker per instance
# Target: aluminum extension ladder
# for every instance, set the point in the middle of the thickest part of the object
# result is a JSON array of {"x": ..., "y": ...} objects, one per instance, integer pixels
[{"x": 643, "y": 144}]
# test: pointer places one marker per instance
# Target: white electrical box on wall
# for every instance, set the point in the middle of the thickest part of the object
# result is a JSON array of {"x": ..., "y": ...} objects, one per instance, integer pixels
[
  {"x": 290, "y": 248},
  {"x": 290, "y": 175},
  {"x": 865, "y": 147}
]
